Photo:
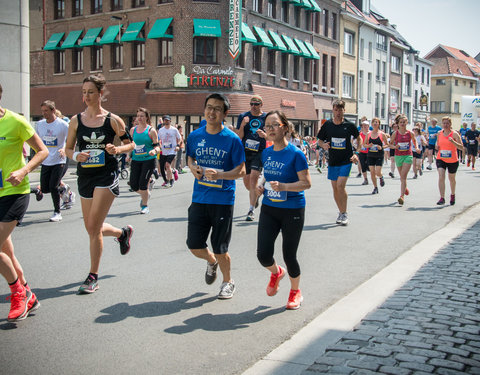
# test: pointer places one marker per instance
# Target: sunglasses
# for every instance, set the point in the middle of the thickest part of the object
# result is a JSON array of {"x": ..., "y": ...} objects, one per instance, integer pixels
[{"x": 255, "y": 104}]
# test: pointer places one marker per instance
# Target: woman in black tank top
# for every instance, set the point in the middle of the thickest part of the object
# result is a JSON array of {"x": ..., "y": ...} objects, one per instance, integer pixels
[{"x": 94, "y": 131}]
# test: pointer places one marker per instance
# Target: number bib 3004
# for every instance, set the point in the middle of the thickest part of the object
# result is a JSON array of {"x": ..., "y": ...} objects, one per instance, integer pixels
[
  {"x": 96, "y": 159},
  {"x": 274, "y": 196},
  {"x": 211, "y": 183}
]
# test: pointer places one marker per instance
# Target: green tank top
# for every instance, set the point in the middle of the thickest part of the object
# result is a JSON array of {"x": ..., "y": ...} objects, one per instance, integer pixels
[{"x": 143, "y": 145}]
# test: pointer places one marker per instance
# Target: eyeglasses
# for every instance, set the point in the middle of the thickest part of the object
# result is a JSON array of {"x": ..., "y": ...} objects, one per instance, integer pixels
[
  {"x": 273, "y": 126},
  {"x": 210, "y": 108},
  {"x": 255, "y": 103}
]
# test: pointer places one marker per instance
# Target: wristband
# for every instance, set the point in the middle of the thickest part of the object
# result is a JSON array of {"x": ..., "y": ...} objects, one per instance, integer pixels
[{"x": 75, "y": 154}]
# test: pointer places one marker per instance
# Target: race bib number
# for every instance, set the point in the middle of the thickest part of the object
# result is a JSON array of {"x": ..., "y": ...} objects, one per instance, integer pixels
[
  {"x": 432, "y": 137},
  {"x": 96, "y": 159},
  {"x": 274, "y": 196},
  {"x": 211, "y": 183},
  {"x": 339, "y": 143},
  {"x": 374, "y": 148},
  {"x": 403, "y": 146},
  {"x": 167, "y": 146},
  {"x": 50, "y": 141},
  {"x": 471, "y": 141},
  {"x": 252, "y": 145},
  {"x": 1, "y": 179},
  {"x": 445, "y": 154},
  {"x": 364, "y": 149},
  {"x": 140, "y": 149},
  {"x": 463, "y": 137}
]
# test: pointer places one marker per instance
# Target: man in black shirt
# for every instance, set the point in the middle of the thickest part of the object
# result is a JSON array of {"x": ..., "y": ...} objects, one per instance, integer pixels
[
  {"x": 472, "y": 136},
  {"x": 336, "y": 137}
]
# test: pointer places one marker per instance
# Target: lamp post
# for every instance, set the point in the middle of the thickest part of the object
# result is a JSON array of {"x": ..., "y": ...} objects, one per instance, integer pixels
[{"x": 119, "y": 28}]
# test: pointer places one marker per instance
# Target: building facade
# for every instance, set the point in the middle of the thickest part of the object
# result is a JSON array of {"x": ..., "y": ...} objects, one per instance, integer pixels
[{"x": 421, "y": 87}]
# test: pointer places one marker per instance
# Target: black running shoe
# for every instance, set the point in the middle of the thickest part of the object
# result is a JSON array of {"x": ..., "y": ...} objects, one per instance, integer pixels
[
  {"x": 211, "y": 273},
  {"x": 124, "y": 239}
]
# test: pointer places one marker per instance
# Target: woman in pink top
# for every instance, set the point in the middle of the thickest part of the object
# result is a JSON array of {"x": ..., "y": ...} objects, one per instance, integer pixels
[
  {"x": 401, "y": 141},
  {"x": 448, "y": 141}
]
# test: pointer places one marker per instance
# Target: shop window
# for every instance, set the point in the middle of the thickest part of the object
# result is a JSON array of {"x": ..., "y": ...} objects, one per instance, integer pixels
[
  {"x": 97, "y": 58},
  {"x": 165, "y": 51},
  {"x": 77, "y": 60},
  {"x": 204, "y": 50},
  {"x": 77, "y": 9},
  {"x": 117, "y": 56}
]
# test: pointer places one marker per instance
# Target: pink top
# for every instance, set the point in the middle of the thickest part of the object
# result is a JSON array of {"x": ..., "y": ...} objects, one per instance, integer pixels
[{"x": 404, "y": 142}]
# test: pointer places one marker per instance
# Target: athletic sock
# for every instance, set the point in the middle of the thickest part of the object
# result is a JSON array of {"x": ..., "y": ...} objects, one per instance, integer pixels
[
  {"x": 252, "y": 208},
  {"x": 16, "y": 287},
  {"x": 26, "y": 286}
]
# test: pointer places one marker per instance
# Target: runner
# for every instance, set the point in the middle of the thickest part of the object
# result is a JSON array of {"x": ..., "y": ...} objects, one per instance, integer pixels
[
  {"x": 283, "y": 206},
  {"x": 169, "y": 138},
  {"x": 14, "y": 196},
  {"x": 375, "y": 141},
  {"x": 53, "y": 132},
  {"x": 472, "y": 135},
  {"x": 144, "y": 157},
  {"x": 181, "y": 148},
  {"x": 392, "y": 151},
  {"x": 216, "y": 158},
  {"x": 432, "y": 140},
  {"x": 418, "y": 156},
  {"x": 401, "y": 141},
  {"x": 94, "y": 130},
  {"x": 461, "y": 153},
  {"x": 250, "y": 129},
  {"x": 363, "y": 154},
  {"x": 335, "y": 136},
  {"x": 448, "y": 142}
]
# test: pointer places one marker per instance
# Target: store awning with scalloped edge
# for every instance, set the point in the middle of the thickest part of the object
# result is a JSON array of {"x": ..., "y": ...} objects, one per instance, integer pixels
[
  {"x": 159, "y": 29},
  {"x": 132, "y": 32},
  {"x": 206, "y": 28},
  {"x": 71, "y": 39},
  {"x": 90, "y": 38},
  {"x": 53, "y": 42},
  {"x": 312, "y": 50},
  {"x": 279, "y": 45},
  {"x": 110, "y": 36},
  {"x": 247, "y": 34},
  {"x": 292, "y": 48},
  {"x": 264, "y": 39}
]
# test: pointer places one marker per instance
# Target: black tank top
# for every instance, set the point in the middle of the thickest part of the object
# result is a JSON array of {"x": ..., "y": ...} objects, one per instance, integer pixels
[
  {"x": 93, "y": 141},
  {"x": 377, "y": 151}
]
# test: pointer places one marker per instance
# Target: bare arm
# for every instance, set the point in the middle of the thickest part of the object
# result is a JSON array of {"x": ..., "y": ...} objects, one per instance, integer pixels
[{"x": 237, "y": 172}]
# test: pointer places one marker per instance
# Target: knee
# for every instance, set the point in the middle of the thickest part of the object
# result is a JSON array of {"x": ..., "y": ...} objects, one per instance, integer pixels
[
  {"x": 93, "y": 229},
  {"x": 264, "y": 259}
]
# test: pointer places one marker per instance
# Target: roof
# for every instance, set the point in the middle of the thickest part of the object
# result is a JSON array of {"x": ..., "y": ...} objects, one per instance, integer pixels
[
  {"x": 445, "y": 51},
  {"x": 449, "y": 65}
]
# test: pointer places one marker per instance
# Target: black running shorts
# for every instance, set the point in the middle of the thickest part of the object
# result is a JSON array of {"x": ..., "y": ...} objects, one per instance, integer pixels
[
  {"x": 87, "y": 184},
  {"x": 13, "y": 207}
]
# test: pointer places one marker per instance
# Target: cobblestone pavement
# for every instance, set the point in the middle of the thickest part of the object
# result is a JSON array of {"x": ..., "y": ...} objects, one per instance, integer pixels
[{"x": 430, "y": 325}]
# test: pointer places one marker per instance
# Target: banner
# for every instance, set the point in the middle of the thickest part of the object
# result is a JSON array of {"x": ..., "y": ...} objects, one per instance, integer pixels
[
  {"x": 234, "y": 28},
  {"x": 470, "y": 109}
]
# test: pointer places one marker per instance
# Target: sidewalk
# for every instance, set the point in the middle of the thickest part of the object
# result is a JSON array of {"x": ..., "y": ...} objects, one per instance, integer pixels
[{"x": 430, "y": 324}]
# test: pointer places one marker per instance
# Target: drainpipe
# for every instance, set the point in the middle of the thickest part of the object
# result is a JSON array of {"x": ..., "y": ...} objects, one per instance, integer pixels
[{"x": 358, "y": 63}]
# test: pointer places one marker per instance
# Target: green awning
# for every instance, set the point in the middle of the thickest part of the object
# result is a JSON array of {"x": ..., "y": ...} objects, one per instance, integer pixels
[
  {"x": 303, "y": 49},
  {"x": 315, "y": 6},
  {"x": 90, "y": 38},
  {"x": 279, "y": 45},
  {"x": 131, "y": 34},
  {"x": 307, "y": 4},
  {"x": 297, "y": 3},
  {"x": 264, "y": 39},
  {"x": 292, "y": 48},
  {"x": 312, "y": 50},
  {"x": 206, "y": 27},
  {"x": 247, "y": 34},
  {"x": 110, "y": 36},
  {"x": 52, "y": 43},
  {"x": 71, "y": 39},
  {"x": 159, "y": 29}
]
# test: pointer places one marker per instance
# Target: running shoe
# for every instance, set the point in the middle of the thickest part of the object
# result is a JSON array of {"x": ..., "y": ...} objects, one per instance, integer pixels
[
  {"x": 344, "y": 219},
  {"x": 452, "y": 199},
  {"x": 151, "y": 184},
  {"x": 319, "y": 170},
  {"x": 211, "y": 273},
  {"x": 175, "y": 174},
  {"x": 155, "y": 173},
  {"x": 19, "y": 305},
  {"x": 421, "y": 172},
  {"x": 56, "y": 217},
  {"x": 124, "y": 239},
  {"x": 250, "y": 216},
  {"x": 382, "y": 181},
  {"x": 273, "y": 285},
  {"x": 473, "y": 168},
  {"x": 407, "y": 191},
  {"x": 375, "y": 190},
  {"x": 339, "y": 218},
  {"x": 227, "y": 290},
  {"x": 33, "y": 304},
  {"x": 144, "y": 210},
  {"x": 38, "y": 194},
  {"x": 295, "y": 299},
  {"x": 415, "y": 176},
  {"x": 391, "y": 174},
  {"x": 359, "y": 175},
  {"x": 89, "y": 286},
  {"x": 441, "y": 201},
  {"x": 429, "y": 167},
  {"x": 164, "y": 185},
  {"x": 365, "y": 182},
  {"x": 468, "y": 163},
  {"x": 400, "y": 201}
]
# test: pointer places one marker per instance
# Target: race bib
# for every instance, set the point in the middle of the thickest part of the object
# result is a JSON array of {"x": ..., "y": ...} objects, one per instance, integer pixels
[
  {"x": 50, "y": 141},
  {"x": 432, "y": 137},
  {"x": 364, "y": 149},
  {"x": 252, "y": 145},
  {"x": 404, "y": 146},
  {"x": 339, "y": 143},
  {"x": 274, "y": 196},
  {"x": 374, "y": 148},
  {"x": 471, "y": 141},
  {"x": 211, "y": 183},
  {"x": 96, "y": 159},
  {"x": 1, "y": 179},
  {"x": 140, "y": 149},
  {"x": 168, "y": 145},
  {"x": 445, "y": 154}
]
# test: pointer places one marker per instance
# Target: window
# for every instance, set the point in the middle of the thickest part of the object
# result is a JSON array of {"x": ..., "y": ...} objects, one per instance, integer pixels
[
  {"x": 324, "y": 71},
  {"x": 395, "y": 64},
  {"x": 77, "y": 60},
  {"x": 240, "y": 61},
  {"x": 117, "y": 4},
  {"x": 370, "y": 51},
  {"x": 381, "y": 42},
  {"x": 347, "y": 86},
  {"x": 440, "y": 82},
  {"x": 308, "y": 21},
  {"x": 59, "y": 63},
  {"x": 285, "y": 65},
  {"x": 456, "y": 82},
  {"x": 382, "y": 107},
  {"x": 423, "y": 74},
  {"x": 428, "y": 77},
  {"x": 408, "y": 59},
  {"x": 306, "y": 70},
  {"x": 394, "y": 96},
  {"x": 59, "y": 9},
  {"x": 438, "y": 107},
  {"x": 377, "y": 70},
  {"x": 325, "y": 22},
  {"x": 334, "y": 26},
  {"x": 406, "y": 109},
  {"x": 138, "y": 54},
  {"x": 348, "y": 48},
  {"x": 271, "y": 61},
  {"x": 296, "y": 68},
  {"x": 471, "y": 85},
  {"x": 97, "y": 6},
  {"x": 333, "y": 66},
  {"x": 316, "y": 22},
  {"x": 97, "y": 58},
  {"x": 77, "y": 8},
  {"x": 257, "y": 5},
  {"x": 377, "y": 104},
  {"x": 297, "y": 16},
  {"x": 272, "y": 8},
  {"x": 369, "y": 87},
  {"x": 360, "y": 85},
  {"x": 315, "y": 72},
  {"x": 456, "y": 107},
  {"x": 362, "y": 46},
  {"x": 138, "y": 3},
  {"x": 384, "y": 71},
  {"x": 117, "y": 56},
  {"x": 205, "y": 50},
  {"x": 257, "y": 58},
  {"x": 285, "y": 9},
  {"x": 416, "y": 73},
  {"x": 165, "y": 1},
  {"x": 408, "y": 84},
  {"x": 165, "y": 51}
]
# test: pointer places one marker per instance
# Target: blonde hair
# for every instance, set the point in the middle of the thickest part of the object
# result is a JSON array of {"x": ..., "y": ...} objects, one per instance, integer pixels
[{"x": 448, "y": 119}]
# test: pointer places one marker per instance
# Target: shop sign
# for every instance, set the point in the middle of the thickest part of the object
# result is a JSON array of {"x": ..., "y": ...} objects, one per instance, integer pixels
[
  {"x": 288, "y": 103},
  {"x": 234, "y": 28},
  {"x": 424, "y": 100}
]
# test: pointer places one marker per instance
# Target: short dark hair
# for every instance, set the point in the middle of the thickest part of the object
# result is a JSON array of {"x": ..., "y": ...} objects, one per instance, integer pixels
[
  {"x": 97, "y": 79},
  {"x": 48, "y": 103},
  {"x": 223, "y": 98},
  {"x": 338, "y": 103}
]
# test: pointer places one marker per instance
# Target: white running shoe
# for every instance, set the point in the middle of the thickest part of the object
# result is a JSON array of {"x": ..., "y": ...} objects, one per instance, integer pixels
[
  {"x": 57, "y": 216},
  {"x": 145, "y": 210}
]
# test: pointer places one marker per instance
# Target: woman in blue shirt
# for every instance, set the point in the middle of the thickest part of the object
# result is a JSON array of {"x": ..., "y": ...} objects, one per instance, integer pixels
[{"x": 283, "y": 206}]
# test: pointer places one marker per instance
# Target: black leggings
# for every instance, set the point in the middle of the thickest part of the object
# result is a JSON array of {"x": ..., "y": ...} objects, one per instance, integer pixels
[
  {"x": 164, "y": 159},
  {"x": 50, "y": 178},
  {"x": 140, "y": 172},
  {"x": 272, "y": 221}
]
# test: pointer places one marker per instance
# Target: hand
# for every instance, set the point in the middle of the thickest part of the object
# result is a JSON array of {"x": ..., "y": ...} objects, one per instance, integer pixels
[
  {"x": 61, "y": 151},
  {"x": 152, "y": 152},
  {"x": 111, "y": 149},
  {"x": 276, "y": 186},
  {"x": 83, "y": 157},
  {"x": 16, "y": 177},
  {"x": 245, "y": 120},
  {"x": 326, "y": 146},
  {"x": 211, "y": 174},
  {"x": 354, "y": 159},
  {"x": 261, "y": 133},
  {"x": 260, "y": 189},
  {"x": 197, "y": 171}
]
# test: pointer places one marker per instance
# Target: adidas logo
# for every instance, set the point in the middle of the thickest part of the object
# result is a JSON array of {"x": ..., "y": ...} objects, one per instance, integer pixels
[{"x": 93, "y": 138}]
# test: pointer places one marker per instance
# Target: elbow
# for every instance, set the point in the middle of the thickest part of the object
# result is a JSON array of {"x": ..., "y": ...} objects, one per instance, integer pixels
[{"x": 308, "y": 185}]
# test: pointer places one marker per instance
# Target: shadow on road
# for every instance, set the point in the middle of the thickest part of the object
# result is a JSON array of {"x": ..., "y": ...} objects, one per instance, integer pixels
[
  {"x": 225, "y": 322},
  {"x": 122, "y": 311},
  {"x": 431, "y": 208},
  {"x": 321, "y": 226},
  {"x": 393, "y": 204},
  {"x": 168, "y": 219}
]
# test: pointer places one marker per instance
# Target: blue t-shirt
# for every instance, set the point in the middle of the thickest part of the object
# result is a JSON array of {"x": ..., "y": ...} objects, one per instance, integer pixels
[
  {"x": 251, "y": 140},
  {"x": 282, "y": 166},
  {"x": 462, "y": 132},
  {"x": 432, "y": 131},
  {"x": 224, "y": 152}
]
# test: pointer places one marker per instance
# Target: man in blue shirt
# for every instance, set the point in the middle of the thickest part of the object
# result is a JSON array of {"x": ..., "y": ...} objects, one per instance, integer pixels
[
  {"x": 432, "y": 141},
  {"x": 216, "y": 158},
  {"x": 461, "y": 153}
]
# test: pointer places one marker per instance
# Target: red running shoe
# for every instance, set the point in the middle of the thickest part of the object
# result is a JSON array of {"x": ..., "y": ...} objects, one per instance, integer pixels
[
  {"x": 295, "y": 299},
  {"x": 407, "y": 191},
  {"x": 19, "y": 305},
  {"x": 273, "y": 285},
  {"x": 33, "y": 304}
]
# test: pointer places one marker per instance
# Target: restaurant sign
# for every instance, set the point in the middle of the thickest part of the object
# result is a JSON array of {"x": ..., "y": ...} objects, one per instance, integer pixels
[{"x": 205, "y": 76}]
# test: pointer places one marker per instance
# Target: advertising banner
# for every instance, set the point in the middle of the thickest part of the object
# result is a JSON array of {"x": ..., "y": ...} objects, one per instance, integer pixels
[{"x": 471, "y": 109}]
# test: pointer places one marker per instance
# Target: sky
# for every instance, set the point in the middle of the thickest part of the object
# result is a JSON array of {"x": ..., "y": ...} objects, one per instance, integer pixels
[{"x": 427, "y": 23}]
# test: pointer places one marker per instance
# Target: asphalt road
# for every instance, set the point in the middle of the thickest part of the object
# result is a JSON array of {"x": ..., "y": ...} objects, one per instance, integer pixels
[{"x": 154, "y": 313}]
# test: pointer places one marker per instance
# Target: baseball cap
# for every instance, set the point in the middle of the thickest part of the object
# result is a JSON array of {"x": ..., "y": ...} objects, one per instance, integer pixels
[
  {"x": 256, "y": 98},
  {"x": 166, "y": 117}
]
